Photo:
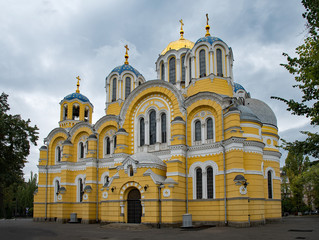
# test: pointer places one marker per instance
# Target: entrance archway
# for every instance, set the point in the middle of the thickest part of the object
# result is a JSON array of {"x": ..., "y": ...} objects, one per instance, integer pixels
[{"x": 134, "y": 207}]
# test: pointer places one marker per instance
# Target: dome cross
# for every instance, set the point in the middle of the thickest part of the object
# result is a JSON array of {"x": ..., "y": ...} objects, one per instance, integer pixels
[
  {"x": 207, "y": 26},
  {"x": 78, "y": 84},
  {"x": 181, "y": 31},
  {"x": 126, "y": 54}
]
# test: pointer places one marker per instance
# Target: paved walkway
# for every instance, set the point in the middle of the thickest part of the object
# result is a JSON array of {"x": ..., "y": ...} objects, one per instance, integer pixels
[{"x": 289, "y": 228}]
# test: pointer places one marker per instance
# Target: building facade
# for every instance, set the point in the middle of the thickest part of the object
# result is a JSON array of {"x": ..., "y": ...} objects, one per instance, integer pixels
[{"x": 187, "y": 148}]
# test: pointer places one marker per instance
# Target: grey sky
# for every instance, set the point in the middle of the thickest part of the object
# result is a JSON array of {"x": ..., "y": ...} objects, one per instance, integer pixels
[{"x": 44, "y": 45}]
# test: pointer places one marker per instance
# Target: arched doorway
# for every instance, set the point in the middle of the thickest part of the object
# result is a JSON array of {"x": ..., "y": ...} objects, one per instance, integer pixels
[{"x": 134, "y": 207}]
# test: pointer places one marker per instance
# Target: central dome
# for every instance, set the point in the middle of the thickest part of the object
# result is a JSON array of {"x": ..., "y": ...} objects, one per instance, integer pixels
[{"x": 176, "y": 45}]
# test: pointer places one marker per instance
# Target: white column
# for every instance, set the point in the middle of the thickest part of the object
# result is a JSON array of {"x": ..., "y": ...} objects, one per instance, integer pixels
[
  {"x": 147, "y": 133},
  {"x": 178, "y": 73},
  {"x": 158, "y": 128},
  {"x": 203, "y": 133},
  {"x": 211, "y": 59},
  {"x": 193, "y": 66},
  {"x": 111, "y": 146},
  {"x": 120, "y": 82},
  {"x": 166, "y": 71},
  {"x": 204, "y": 183},
  {"x": 107, "y": 87}
]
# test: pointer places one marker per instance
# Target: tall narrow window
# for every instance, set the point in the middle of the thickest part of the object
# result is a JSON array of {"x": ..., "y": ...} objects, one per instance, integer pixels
[
  {"x": 76, "y": 112},
  {"x": 183, "y": 68},
  {"x": 202, "y": 63},
  {"x": 210, "y": 129},
  {"x": 81, "y": 150},
  {"x": 106, "y": 181},
  {"x": 219, "y": 62},
  {"x": 57, "y": 187},
  {"x": 199, "y": 189},
  {"x": 190, "y": 70},
  {"x": 142, "y": 132},
  {"x": 86, "y": 114},
  {"x": 269, "y": 185},
  {"x": 80, "y": 190},
  {"x": 162, "y": 71},
  {"x": 58, "y": 154},
  {"x": 114, "y": 90},
  {"x": 107, "y": 146},
  {"x": 210, "y": 183},
  {"x": 172, "y": 71},
  {"x": 127, "y": 86},
  {"x": 65, "y": 112},
  {"x": 152, "y": 127},
  {"x": 114, "y": 142},
  {"x": 198, "y": 135},
  {"x": 163, "y": 127}
]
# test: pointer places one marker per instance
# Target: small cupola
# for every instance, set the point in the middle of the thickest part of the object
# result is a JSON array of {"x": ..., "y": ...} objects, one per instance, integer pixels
[
  {"x": 121, "y": 81},
  {"x": 171, "y": 65},
  {"x": 75, "y": 108}
]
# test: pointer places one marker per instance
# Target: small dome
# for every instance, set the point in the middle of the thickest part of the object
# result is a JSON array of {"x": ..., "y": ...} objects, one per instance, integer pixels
[
  {"x": 176, "y": 45},
  {"x": 247, "y": 114},
  {"x": 126, "y": 67},
  {"x": 208, "y": 39},
  {"x": 78, "y": 96},
  {"x": 262, "y": 111},
  {"x": 237, "y": 87},
  {"x": 122, "y": 130},
  {"x": 92, "y": 136},
  {"x": 178, "y": 118},
  {"x": 67, "y": 142},
  {"x": 143, "y": 157},
  {"x": 43, "y": 148}
]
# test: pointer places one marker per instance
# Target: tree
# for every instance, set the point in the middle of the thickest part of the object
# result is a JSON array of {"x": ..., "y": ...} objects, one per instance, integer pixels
[
  {"x": 15, "y": 137},
  {"x": 305, "y": 67}
]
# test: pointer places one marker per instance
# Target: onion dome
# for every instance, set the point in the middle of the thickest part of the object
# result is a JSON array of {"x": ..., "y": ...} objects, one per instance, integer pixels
[
  {"x": 208, "y": 38},
  {"x": 180, "y": 43},
  {"x": 77, "y": 94},
  {"x": 262, "y": 111},
  {"x": 237, "y": 87}
]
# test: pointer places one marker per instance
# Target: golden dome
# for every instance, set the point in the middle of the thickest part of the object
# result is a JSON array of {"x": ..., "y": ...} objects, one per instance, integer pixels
[
  {"x": 176, "y": 45},
  {"x": 180, "y": 43}
]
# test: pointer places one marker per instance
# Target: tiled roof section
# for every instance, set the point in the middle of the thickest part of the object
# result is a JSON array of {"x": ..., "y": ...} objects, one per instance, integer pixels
[
  {"x": 77, "y": 96},
  {"x": 208, "y": 39},
  {"x": 125, "y": 67},
  {"x": 237, "y": 87}
]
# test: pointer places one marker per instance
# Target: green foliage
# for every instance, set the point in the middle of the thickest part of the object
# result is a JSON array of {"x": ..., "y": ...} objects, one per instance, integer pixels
[
  {"x": 15, "y": 137},
  {"x": 305, "y": 67}
]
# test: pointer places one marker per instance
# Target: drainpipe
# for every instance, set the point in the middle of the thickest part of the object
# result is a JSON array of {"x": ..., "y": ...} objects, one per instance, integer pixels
[
  {"x": 186, "y": 162},
  {"x": 224, "y": 162},
  {"x": 97, "y": 180},
  {"x": 46, "y": 183},
  {"x": 159, "y": 206}
]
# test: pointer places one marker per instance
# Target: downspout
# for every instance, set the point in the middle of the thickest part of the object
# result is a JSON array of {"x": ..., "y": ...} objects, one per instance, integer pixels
[
  {"x": 224, "y": 162},
  {"x": 159, "y": 206},
  {"x": 97, "y": 180},
  {"x": 46, "y": 184},
  {"x": 186, "y": 162}
]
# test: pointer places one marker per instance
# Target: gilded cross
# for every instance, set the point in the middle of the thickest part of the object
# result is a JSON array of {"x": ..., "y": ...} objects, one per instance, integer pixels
[
  {"x": 182, "y": 24},
  {"x": 207, "y": 18},
  {"x": 126, "y": 46}
]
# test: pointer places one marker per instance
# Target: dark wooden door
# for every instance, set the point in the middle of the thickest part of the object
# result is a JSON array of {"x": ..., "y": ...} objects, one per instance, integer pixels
[{"x": 134, "y": 207}]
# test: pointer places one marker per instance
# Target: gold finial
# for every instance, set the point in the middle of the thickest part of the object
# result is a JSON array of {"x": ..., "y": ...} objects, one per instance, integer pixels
[
  {"x": 78, "y": 84},
  {"x": 207, "y": 27},
  {"x": 181, "y": 31},
  {"x": 126, "y": 55}
]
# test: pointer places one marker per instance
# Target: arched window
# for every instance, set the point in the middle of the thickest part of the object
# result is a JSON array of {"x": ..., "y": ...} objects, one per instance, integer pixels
[
  {"x": 162, "y": 71},
  {"x": 58, "y": 154},
  {"x": 190, "y": 70},
  {"x": 76, "y": 112},
  {"x": 210, "y": 183},
  {"x": 199, "y": 184},
  {"x": 270, "y": 185},
  {"x": 172, "y": 70},
  {"x": 86, "y": 114},
  {"x": 202, "y": 63},
  {"x": 142, "y": 132},
  {"x": 80, "y": 189},
  {"x": 198, "y": 135},
  {"x": 210, "y": 129},
  {"x": 127, "y": 86},
  {"x": 107, "y": 146},
  {"x": 130, "y": 171},
  {"x": 114, "y": 90},
  {"x": 81, "y": 150},
  {"x": 139, "y": 83},
  {"x": 163, "y": 128},
  {"x": 219, "y": 62},
  {"x": 65, "y": 111},
  {"x": 106, "y": 181},
  {"x": 152, "y": 129},
  {"x": 114, "y": 142},
  {"x": 57, "y": 187},
  {"x": 183, "y": 68}
]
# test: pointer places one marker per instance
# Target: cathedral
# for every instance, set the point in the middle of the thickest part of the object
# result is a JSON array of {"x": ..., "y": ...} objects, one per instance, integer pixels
[{"x": 191, "y": 147}]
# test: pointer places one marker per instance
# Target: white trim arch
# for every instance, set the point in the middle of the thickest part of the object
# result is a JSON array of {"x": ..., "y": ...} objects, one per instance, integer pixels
[
  {"x": 103, "y": 178},
  {"x": 79, "y": 191},
  {"x": 207, "y": 60},
  {"x": 57, "y": 185},
  {"x": 203, "y": 166},
  {"x": 58, "y": 152},
  {"x": 203, "y": 122}
]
